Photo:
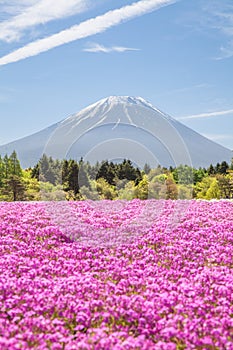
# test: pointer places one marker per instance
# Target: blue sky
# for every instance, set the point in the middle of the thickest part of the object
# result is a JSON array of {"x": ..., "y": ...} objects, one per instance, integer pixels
[{"x": 58, "y": 56}]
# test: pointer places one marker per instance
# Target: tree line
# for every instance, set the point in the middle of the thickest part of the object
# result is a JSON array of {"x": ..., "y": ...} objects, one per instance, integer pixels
[{"x": 52, "y": 179}]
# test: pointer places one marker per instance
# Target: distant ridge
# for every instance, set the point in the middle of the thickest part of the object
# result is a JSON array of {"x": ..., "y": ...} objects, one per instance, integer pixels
[{"x": 120, "y": 127}]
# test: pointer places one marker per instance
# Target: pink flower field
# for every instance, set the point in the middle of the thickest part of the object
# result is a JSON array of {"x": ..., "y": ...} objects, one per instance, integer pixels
[{"x": 116, "y": 275}]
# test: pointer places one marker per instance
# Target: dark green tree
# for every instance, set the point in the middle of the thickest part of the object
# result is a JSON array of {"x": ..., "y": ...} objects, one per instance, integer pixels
[
  {"x": 107, "y": 172},
  {"x": 198, "y": 175},
  {"x": 217, "y": 168},
  {"x": 183, "y": 174},
  {"x": 223, "y": 168},
  {"x": 127, "y": 171},
  {"x": 231, "y": 166},
  {"x": 146, "y": 168},
  {"x": 6, "y": 166},
  {"x": 211, "y": 170},
  {"x": 72, "y": 178},
  {"x": 11, "y": 182},
  {"x": 65, "y": 171},
  {"x": 1, "y": 171},
  {"x": 13, "y": 188},
  {"x": 83, "y": 176},
  {"x": 35, "y": 172},
  {"x": 48, "y": 170},
  {"x": 14, "y": 165}
]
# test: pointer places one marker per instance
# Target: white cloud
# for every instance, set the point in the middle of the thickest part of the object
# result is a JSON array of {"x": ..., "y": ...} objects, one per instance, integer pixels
[
  {"x": 222, "y": 20},
  {"x": 85, "y": 29},
  {"x": 207, "y": 115},
  {"x": 33, "y": 13},
  {"x": 226, "y": 52},
  {"x": 14, "y": 7},
  {"x": 101, "y": 48},
  {"x": 186, "y": 89},
  {"x": 215, "y": 15}
]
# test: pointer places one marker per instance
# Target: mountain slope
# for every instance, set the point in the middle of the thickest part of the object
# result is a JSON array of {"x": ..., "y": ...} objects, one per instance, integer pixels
[{"x": 120, "y": 127}]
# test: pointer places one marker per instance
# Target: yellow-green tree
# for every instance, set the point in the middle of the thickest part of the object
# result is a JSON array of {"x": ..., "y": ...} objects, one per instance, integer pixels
[
  {"x": 105, "y": 190},
  {"x": 201, "y": 188},
  {"x": 142, "y": 189},
  {"x": 128, "y": 192}
]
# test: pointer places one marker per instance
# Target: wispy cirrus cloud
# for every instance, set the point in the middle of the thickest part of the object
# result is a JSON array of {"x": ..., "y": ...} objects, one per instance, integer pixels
[
  {"x": 207, "y": 115},
  {"x": 214, "y": 16},
  {"x": 32, "y": 13},
  {"x": 14, "y": 7},
  {"x": 86, "y": 29},
  {"x": 220, "y": 17},
  {"x": 95, "y": 48},
  {"x": 186, "y": 89}
]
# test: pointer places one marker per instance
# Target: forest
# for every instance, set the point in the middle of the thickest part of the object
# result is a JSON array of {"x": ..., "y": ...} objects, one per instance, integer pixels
[{"x": 51, "y": 179}]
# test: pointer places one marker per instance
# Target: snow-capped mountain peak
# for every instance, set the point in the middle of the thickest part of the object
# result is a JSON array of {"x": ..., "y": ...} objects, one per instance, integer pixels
[
  {"x": 109, "y": 102},
  {"x": 120, "y": 127}
]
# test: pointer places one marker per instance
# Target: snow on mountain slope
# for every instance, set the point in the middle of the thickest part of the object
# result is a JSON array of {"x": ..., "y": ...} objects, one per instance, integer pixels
[{"x": 120, "y": 127}]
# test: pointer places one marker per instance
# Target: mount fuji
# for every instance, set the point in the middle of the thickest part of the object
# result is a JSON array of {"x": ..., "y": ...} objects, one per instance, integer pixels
[{"x": 120, "y": 127}]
